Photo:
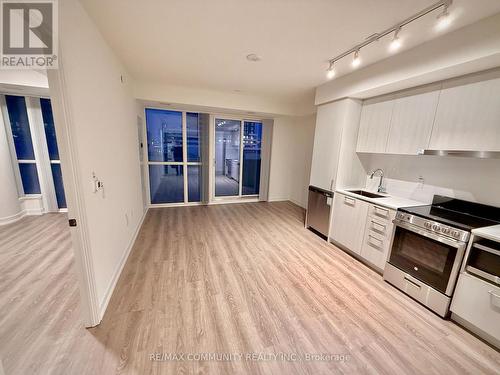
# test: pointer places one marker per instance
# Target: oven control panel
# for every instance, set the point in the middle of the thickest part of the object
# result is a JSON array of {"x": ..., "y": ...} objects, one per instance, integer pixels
[{"x": 433, "y": 226}]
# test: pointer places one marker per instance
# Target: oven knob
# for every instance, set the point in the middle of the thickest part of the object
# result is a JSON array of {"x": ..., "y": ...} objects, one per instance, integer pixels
[
  {"x": 455, "y": 234},
  {"x": 445, "y": 230},
  {"x": 436, "y": 228},
  {"x": 427, "y": 225}
]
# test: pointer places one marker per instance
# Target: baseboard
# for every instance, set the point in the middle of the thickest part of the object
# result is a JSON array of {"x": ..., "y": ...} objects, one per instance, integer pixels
[
  {"x": 107, "y": 297},
  {"x": 13, "y": 218}
]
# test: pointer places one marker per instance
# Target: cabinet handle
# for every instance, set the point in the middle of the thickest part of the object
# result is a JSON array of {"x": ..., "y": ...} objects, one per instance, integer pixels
[
  {"x": 383, "y": 212},
  {"x": 494, "y": 295},
  {"x": 349, "y": 201},
  {"x": 375, "y": 224},
  {"x": 380, "y": 242}
]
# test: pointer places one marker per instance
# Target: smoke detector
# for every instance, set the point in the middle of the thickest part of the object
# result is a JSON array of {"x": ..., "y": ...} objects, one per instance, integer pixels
[{"x": 253, "y": 57}]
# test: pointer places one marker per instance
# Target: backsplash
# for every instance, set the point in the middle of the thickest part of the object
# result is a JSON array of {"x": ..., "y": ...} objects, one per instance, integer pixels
[{"x": 476, "y": 180}]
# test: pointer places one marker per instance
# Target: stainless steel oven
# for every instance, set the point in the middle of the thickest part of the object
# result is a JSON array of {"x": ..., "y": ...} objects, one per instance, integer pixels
[{"x": 425, "y": 260}]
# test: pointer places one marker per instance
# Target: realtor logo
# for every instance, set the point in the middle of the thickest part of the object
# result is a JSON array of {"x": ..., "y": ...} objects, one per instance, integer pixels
[{"x": 29, "y": 34}]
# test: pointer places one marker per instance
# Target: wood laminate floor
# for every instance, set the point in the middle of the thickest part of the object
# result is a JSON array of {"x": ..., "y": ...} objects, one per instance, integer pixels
[{"x": 245, "y": 278}]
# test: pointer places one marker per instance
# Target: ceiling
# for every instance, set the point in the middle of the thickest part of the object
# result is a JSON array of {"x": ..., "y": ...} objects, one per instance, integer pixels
[{"x": 203, "y": 44}]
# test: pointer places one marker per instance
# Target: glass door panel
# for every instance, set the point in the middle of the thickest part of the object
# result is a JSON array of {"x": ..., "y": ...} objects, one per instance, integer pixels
[
  {"x": 227, "y": 157},
  {"x": 252, "y": 141}
]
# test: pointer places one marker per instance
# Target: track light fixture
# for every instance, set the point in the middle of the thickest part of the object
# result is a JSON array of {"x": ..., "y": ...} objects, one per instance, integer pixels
[
  {"x": 330, "y": 72},
  {"x": 356, "y": 61},
  {"x": 396, "y": 41},
  {"x": 444, "y": 20}
]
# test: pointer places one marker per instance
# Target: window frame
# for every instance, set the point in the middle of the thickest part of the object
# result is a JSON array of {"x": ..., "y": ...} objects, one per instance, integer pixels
[{"x": 184, "y": 163}]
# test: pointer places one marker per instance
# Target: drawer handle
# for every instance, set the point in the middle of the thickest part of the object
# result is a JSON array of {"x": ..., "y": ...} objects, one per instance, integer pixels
[
  {"x": 380, "y": 242},
  {"x": 349, "y": 201},
  {"x": 381, "y": 211},
  {"x": 494, "y": 295},
  {"x": 411, "y": 282},
  {"x": 375, "y": 225}
]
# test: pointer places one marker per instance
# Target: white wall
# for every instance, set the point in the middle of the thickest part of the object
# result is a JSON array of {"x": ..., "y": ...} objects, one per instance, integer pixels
[
  {"x": 470, "y": 49},
  {"x": 31, "y": 78},
  {"x": 102, "y": 124},
  {"x": 471, "y": 179},
  {"x": 291, "y": 155},
  {"x": 10, "y": 208},
  {"x": 211, "y": 100}
]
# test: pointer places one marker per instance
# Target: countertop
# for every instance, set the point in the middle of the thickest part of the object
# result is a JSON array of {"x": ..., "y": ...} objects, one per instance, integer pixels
[
  {"x": 490, "y": 233},
  {"x": 388, "y": 201}
]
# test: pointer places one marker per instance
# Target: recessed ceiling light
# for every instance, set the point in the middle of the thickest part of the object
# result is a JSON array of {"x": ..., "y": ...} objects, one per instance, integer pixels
[
  {"x": 443, "y": 19},
  {"x": 253, "y": 57}
]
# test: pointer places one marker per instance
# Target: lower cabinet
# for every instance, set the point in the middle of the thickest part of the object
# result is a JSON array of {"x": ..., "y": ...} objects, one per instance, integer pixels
[
  {"x": 363, "y": 228},
  {"x": 377, "y": 238},
  {"x": 478, "y": 303},
  {"x": 348, "y": 221}
]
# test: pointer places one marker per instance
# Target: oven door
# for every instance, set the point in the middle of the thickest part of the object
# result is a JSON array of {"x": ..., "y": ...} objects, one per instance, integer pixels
[{"x": 430, "y": 258}]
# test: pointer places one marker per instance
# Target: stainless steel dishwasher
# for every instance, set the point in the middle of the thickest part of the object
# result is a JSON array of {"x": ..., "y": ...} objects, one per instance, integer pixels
[{"x": 318, "y": 210}]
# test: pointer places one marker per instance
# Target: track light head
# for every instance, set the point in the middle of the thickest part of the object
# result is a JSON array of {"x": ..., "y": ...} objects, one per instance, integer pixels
[
  {"x": 443, "y": 19},
  {"x": 396, "y": 41},
  {"x": 356, "y": 61},
  {"x": 330, "y": 72}
]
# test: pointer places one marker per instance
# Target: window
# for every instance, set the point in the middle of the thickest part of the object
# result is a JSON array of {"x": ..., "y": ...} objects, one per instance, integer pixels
[
  {"x": 55, "y": 163},
  {"x": 164, "y": 132},
  {"x": 21, "y": 134},
  {"x": 174, "y": 156}
]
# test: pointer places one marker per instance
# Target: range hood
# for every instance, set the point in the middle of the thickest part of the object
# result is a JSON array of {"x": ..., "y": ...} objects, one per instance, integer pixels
[{"x": 463, "y": 153}]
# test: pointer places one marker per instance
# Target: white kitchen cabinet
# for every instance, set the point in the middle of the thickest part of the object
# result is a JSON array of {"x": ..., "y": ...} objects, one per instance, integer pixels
[
  {"x": 348, "y": 222},
  {"x": 412, "y": 120},
  {"x": 377, "y": 238},
  {"x": 477, "y": 302},
  {"x": 336, "y": 129},
  {"x": 375, "y": 124},
  {"x": 327, "y": 137},
  {"x": 468, "y": 114}
]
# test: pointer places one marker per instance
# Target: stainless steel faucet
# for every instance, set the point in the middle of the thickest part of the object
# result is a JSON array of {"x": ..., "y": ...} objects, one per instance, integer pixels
[{"x": 380, "y": 189}]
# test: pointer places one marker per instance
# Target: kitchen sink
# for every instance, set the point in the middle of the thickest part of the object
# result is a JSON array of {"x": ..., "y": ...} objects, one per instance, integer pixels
[{"x": 367, "y": 194}]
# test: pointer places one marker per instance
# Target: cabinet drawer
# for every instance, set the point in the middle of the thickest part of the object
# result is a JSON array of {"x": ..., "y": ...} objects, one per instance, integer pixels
[
  {"x": 379, "y": 226},
  {"x": 478, "y": 302},
  {"x": 375, "y": 248},
  {"x": 380, "y": 212}
]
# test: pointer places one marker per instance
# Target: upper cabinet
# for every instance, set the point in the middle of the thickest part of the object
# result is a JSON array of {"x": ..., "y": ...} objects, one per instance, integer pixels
[
  {"x": 335, "y": 140},
  {"x": 327, "y": 137},
  {"x": 460, "y": 114},
  {"x": 468, "y": 114},
  {"x": 411, "y": 122},
  {"x": 374, "y": 125}
]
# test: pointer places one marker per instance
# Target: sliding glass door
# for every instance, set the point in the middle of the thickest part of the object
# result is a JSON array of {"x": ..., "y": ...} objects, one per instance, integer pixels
[
  {"x": 227, "y": 157},
  {"x": 237, "y": 157}
]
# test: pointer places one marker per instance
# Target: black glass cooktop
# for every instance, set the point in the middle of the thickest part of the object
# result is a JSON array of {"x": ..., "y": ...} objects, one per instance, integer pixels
[{"x": 457, "y": 213}]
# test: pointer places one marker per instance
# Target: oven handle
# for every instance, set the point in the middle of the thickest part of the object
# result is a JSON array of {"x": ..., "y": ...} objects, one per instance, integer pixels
[{"x": 447, "y": 241}]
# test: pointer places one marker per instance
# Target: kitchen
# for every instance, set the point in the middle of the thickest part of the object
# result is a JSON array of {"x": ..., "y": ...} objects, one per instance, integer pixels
[{"x": 406, "y": 182}]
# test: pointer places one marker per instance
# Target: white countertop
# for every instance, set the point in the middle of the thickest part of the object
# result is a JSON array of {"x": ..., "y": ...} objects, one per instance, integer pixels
[
  {"x": 490, "y": 233},
  {"x": 388, "y": 201}
]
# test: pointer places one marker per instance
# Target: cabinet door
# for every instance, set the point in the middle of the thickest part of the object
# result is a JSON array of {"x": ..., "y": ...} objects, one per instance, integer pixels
[
  {"x": 374, "y": 125},
  {"x": 348, "y": 222},
  {"x": 412, "y": 120},
  {"x": 468, "y": 114},
  {"x": 327, "y": 137}
]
